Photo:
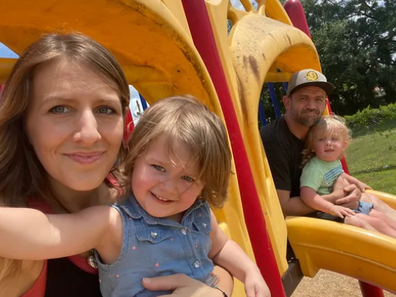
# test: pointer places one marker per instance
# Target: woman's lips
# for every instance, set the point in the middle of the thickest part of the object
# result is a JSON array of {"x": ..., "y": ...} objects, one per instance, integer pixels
[{"x": 85, "y": 158}]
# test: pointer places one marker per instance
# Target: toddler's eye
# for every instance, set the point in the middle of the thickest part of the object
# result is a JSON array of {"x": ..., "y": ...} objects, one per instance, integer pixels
[
  {"x": 187, "y": 178},
  {"x": 158, "y": 167}
]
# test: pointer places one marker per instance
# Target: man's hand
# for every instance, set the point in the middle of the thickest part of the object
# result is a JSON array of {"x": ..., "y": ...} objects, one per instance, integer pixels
[
  {"x": 352, "y": 199},
  {"x": 363, "y": 187}
]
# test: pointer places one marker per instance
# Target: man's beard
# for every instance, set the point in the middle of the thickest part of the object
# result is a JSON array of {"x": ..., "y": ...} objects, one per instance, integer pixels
[{"x": 307, "y": 120}]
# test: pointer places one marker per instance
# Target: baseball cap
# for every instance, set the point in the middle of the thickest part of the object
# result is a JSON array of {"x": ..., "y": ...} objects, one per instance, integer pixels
[{"x": 308, "y": 77}]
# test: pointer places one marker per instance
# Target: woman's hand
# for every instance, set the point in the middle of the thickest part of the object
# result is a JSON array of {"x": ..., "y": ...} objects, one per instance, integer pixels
[{"x": 181, "y": 285}]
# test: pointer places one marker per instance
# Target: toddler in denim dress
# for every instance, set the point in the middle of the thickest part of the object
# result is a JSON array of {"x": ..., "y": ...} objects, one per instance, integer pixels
[
  {"x": 178, "y": 163},
  {"x": 157, "y": 247},
  {"x": 326, "y": 143}
]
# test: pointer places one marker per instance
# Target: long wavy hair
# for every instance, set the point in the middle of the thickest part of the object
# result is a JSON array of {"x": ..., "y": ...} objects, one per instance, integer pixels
[{"x": 22, "y": 174}]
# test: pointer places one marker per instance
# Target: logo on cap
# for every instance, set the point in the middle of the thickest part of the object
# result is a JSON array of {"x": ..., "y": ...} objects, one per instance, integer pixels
[{"x": 312, "y": 76}]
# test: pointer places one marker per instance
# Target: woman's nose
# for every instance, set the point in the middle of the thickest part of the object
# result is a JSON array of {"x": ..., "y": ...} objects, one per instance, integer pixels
[{"x": 87, "y": 128}]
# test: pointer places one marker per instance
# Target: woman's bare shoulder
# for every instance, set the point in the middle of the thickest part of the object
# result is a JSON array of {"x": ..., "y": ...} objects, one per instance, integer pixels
[{"x": 26, "y": 282}]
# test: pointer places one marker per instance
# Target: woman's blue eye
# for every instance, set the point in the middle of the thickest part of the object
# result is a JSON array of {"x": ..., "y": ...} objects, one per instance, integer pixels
[
  {"x": 187, "y": 178},
  {"x": 159, "y": 168},
  {"x": 59, "y": 109},
  {"x": 105, "y": 110}
]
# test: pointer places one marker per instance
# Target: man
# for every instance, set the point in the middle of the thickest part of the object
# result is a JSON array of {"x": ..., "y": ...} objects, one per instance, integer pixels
[{"x": 284, "y": 140}]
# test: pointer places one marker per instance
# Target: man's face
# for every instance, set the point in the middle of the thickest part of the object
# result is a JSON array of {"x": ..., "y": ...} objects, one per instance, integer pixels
[{"x": 306, "y": 105}]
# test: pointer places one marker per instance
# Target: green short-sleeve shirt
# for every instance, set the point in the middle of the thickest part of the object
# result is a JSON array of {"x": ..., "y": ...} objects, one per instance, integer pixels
[{"x": 320, "y": 175}]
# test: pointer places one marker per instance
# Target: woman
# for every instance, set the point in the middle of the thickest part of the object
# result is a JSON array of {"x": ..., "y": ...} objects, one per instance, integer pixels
[{"x": 61, "y": 127}]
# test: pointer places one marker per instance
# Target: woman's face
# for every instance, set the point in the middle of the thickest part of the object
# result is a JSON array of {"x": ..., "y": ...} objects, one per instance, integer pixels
[{"x": 74, "y": 124}]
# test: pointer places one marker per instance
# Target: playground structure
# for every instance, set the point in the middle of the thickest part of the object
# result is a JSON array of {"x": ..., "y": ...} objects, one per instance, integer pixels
[{"x": 172, "y": 47}]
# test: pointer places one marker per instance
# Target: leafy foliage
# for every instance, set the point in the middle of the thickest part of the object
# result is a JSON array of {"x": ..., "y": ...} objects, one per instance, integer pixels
[
  {"x": 370, "y": 118},
  {"x": 356, "y": 41}
]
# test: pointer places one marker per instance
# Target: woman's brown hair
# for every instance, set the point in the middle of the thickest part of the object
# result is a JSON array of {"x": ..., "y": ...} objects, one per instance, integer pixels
[{"x": 22, "y": 174}]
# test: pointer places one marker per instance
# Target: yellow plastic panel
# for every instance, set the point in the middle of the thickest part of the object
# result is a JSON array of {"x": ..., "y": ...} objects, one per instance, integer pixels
[
  {"x": 320, "y": 244},
  {"x": 385, "y": 197},
  {"x": 257, "y": 44},
  {"x": 139, "y": 33}
]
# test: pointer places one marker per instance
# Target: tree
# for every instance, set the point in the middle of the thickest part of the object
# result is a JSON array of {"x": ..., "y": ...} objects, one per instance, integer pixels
[{"x": 356, "y": 42}]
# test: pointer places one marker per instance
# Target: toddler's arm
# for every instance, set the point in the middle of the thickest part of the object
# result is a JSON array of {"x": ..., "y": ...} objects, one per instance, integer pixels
[
  {"x": 29, "y": 234},
  {"x": 314, "y": 200},
  {"x": 226, "y": 253}
]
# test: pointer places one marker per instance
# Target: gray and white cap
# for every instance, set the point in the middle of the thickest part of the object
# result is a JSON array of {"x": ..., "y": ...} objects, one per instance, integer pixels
[{"x": 308, "y": 77}]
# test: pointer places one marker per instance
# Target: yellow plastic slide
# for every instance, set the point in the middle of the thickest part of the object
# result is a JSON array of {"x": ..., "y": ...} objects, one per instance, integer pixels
[{"x": 364, "y": 255}]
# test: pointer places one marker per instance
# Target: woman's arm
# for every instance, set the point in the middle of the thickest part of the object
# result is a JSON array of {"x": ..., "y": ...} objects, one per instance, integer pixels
[
  {"x": 314, "y": 200},
  {"x": 184, "y": 286},
  {"x": 29, "y": 234}
]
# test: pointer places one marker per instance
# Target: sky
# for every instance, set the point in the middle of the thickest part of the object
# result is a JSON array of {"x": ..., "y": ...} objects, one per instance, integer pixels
[
  {"x": 237, "y": 4},
  {"x": 5, "y": 52}
]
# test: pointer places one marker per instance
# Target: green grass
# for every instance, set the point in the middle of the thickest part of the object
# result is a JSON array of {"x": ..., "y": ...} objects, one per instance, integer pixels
[{"x": 371, "y": 156}]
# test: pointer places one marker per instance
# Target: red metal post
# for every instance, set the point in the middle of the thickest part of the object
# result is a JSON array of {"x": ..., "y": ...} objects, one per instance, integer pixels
[
  {"x": 343, "y": 161},
  {"x": 296, "y": 13},
  {"x": 370, "y": 291},
  {"x": 201, "y": 31},
  {"x": 128, "y": 126}
]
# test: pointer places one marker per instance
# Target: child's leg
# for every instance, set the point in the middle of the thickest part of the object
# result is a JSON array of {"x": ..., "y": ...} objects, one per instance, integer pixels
[
  {"x": 359, "y": 222},
  {"x": 377, "y": 224},
  {"x": 380, "y": 206},
  {"x": 383, "y": 217}
]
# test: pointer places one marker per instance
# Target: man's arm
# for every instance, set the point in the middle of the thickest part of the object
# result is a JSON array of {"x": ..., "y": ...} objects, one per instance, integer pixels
[
  {"x": 292, "y": 206},
  {"x": 314, "y": 200},
  {"x": 352, "y": 180}
]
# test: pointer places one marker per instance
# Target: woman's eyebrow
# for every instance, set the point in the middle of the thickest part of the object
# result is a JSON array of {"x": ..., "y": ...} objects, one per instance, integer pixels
[{"x": 65, "y": 98}]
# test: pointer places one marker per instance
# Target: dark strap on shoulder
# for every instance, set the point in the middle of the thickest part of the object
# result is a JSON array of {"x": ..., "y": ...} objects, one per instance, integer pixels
[{"x": 64, "y": 279}]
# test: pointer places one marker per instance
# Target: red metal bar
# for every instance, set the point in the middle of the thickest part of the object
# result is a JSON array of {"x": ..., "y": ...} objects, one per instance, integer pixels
[
  {"x": 201, "y": 31},
  {"x": 343, "y": 161},
  {"x": 128, "y": 126},
  {"x": 370, "y": 291},
  {"x": 296, "y": 13}
]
